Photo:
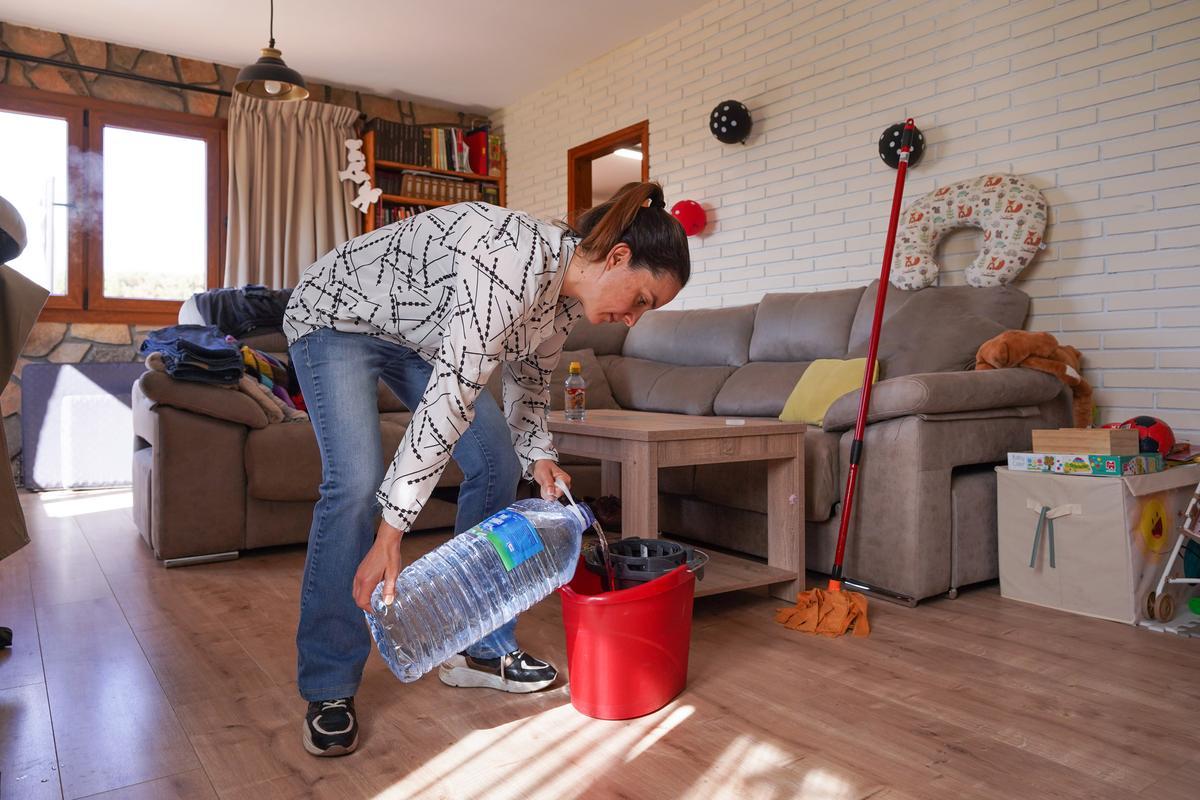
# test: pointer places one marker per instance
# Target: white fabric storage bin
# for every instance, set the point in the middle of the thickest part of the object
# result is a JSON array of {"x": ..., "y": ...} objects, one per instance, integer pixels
[{"x": 1111, "y": 538}]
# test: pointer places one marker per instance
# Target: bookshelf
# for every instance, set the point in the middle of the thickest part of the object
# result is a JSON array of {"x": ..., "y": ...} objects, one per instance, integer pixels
[{"x": 379, "y": 168}]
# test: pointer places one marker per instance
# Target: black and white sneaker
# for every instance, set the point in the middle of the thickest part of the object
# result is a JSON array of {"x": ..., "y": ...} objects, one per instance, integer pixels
[
  {"x": 331, "y": 727},
  {"x": 516, "y": 672}
]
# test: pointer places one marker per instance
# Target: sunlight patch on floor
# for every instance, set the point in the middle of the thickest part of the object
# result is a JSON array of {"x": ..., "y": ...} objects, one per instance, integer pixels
[
  {"x": 564, "y": 755},
  {"x": 557, "y": 754},
  {"x": 820, "y": 784},
  {"x": 660, "y": 730},
  {"x": 749, "y": 769},
  {"x": 59, "y": 505}
]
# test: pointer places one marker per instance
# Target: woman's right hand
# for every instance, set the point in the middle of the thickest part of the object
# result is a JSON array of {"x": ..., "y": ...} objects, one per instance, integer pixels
[{"x": 382, "y": 562}]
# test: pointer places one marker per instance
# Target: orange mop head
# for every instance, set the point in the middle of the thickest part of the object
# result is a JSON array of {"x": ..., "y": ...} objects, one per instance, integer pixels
[{"x": 829, "y": 613}]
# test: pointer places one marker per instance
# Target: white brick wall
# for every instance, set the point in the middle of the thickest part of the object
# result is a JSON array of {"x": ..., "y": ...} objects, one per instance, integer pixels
[{"x": 1098, "y": 102}]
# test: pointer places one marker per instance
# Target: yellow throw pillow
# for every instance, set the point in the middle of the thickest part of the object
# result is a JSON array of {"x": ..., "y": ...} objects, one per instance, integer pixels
[{"x": 825, "y": 380}]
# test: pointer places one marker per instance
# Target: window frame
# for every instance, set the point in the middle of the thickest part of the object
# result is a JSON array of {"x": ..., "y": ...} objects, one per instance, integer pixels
[{"x": 86, "y": 118}]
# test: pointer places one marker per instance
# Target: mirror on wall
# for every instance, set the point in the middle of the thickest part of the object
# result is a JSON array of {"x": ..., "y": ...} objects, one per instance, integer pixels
[
  {"x": 597, "y": 169},
  {"x": 614, "y": 170}
]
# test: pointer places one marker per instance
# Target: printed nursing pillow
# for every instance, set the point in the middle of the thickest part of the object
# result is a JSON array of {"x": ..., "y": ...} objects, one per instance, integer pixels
[{"x": 1010, "y": 210}]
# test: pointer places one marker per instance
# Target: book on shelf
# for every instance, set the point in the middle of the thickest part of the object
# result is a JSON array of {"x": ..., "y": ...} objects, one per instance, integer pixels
[
  {"x": 477, "y": 150},
  {"x": 494, "y": 147},
  {"x": 428, "y": 186},
  {"x": 451, "y": 148},
  {"x": 386, "y": 214}
]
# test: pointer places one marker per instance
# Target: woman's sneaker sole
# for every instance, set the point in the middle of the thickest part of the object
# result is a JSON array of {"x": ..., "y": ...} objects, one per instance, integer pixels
[{"x": 334, "y": 750}]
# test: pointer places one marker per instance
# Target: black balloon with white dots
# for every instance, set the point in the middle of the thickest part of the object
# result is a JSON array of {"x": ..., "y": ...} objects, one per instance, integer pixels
[
  {"x": 730, "y": 121},
  {"x": 889, "y": 146}
]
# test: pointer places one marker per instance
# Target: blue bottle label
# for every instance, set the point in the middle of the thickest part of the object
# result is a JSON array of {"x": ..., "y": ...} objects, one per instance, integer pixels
[{"x": 514, "y": 538}]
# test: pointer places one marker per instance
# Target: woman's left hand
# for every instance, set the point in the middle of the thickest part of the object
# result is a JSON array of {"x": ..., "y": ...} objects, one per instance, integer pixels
[{"x": 545, "y": 473}]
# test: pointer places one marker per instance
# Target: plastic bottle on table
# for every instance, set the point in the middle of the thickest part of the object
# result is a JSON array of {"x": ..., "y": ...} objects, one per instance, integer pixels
[
  {"x": 455, "y": 595},
  {"x": 575, "y": 392}
]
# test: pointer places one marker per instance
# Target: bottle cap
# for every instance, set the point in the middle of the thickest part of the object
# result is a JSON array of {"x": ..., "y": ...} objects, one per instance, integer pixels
[{"x": 575, "y": 368}]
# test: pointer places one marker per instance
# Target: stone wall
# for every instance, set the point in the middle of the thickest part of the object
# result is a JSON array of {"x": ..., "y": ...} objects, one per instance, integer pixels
[{"x": 74, "y": 343}]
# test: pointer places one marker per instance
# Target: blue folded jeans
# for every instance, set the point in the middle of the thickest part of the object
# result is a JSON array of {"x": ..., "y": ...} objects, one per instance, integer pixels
[
  {"x": 196, "y": 353},
  {"x": 339, "y": 373}
]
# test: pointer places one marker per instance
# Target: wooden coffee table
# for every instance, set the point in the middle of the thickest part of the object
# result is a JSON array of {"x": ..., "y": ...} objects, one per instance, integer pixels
[{"x": 633, "y": 445}]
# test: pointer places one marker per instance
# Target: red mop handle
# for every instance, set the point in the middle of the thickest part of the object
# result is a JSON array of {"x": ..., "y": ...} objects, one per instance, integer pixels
[{"x": 864, "y": 403}]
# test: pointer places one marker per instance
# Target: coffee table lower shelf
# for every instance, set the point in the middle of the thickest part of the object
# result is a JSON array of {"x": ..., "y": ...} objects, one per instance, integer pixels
[{"x": 726, "y": 573}]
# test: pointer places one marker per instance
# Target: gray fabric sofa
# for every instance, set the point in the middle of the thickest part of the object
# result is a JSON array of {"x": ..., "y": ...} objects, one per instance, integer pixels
[{"x": 924, "y": 517}]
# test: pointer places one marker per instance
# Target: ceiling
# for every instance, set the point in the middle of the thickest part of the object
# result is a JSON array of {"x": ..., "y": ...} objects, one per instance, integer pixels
[{"x": 476, "y": 55}]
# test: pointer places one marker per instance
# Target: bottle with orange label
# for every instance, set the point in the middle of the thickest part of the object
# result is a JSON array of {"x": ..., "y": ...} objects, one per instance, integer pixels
[{"x": 575, "y": 391}]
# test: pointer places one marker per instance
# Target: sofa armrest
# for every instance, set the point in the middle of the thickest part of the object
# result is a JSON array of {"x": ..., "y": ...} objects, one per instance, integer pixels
[
  {"x": 212, "y": 401},
  {"x": 945, "y": 393}
]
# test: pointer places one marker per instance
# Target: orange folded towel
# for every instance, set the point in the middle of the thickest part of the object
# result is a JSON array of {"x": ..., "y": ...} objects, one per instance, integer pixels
[{"x": 826, "y": 613}]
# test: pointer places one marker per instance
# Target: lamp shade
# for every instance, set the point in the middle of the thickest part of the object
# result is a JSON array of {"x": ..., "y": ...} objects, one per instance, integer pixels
[{"x": 271, "y": 79}]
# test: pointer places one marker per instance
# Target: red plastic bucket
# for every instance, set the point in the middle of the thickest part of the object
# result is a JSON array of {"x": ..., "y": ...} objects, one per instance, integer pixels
[{"x": 627, "y": 651}]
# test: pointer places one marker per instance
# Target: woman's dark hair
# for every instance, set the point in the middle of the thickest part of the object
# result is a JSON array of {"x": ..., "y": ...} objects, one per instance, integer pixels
[{"x": 637, "y": 215}]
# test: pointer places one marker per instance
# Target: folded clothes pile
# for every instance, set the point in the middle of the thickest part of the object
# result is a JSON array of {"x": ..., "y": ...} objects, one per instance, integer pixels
[
  {"x": 196, "y": 353},
  {"x": 268, "y": 382}
]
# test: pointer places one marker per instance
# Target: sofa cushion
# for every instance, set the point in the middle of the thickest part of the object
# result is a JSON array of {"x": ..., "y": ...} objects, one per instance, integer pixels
[
  {"x": 759, "y": 389},
  {"x": 654, "y": 386},
  {"x": 743, "y": 484},
  {"x": 909, "y": 345},
  {"x": 694, "y": 338},
  {"x": 937, "y": 329},
  {"x": 214, "y": 401},
  {"x": 267, "y": 341},
  {"x": 804, "y": 327},
  {"x": 599, "y": 395},
  {"x": 284, "y": 463},
  {"x": 931, "y": 393},
  {"x": 606, "y": 339},
  {"x": 825, "y": 380}
]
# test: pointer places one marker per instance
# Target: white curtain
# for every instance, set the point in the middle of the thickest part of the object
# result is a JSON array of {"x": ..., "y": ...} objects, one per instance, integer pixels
[{"x": 286, "y": 204}]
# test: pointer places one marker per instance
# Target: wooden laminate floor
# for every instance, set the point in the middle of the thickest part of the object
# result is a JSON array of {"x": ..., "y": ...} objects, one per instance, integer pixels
[{"x": 131, "y": 681}]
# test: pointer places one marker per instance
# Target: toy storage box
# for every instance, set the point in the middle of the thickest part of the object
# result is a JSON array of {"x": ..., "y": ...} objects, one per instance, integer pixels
[{"x": 1111, "y": 538}]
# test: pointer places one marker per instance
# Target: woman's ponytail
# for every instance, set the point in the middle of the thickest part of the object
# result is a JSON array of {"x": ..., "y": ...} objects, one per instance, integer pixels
[{"x": 637, "y": 216}]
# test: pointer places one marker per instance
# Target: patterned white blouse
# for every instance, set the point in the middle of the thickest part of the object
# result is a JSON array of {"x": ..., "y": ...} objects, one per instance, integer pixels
[{"x": 468, "y": 287}]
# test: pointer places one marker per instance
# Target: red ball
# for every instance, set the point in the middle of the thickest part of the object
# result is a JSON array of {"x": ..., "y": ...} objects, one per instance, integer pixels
[
  {"x": 690, "y": 215},
  {"x": 1154, "y": 435}
]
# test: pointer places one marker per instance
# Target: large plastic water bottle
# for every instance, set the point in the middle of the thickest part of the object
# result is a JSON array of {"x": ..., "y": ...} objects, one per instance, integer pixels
[{"x": 455, "y": 595}]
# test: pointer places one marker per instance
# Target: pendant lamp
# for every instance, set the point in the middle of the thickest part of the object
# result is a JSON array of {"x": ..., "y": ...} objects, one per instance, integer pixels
[{"x": 269, "y": 78}]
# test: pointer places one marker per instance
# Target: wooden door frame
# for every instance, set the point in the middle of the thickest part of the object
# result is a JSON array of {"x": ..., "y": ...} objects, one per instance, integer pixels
[{"x": 580, "y": 158}]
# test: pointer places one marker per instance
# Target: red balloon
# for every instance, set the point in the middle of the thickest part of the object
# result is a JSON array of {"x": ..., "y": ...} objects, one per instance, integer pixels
[{"x": 690, "y": 215}]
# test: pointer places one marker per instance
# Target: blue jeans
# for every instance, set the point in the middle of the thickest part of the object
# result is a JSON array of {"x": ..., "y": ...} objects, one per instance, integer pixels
[{"x": 338, "y": 374}]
